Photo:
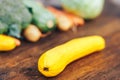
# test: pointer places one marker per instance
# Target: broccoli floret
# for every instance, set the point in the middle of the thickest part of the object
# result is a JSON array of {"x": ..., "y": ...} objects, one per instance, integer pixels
[
  {"x": 3, "y": 28},
  {"x": 15, "y": 15}
]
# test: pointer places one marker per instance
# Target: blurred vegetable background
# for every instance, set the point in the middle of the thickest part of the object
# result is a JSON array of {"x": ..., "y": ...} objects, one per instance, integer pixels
[
  {"x": 33, "y": 20},
  {"x": 116, "y": 2}
]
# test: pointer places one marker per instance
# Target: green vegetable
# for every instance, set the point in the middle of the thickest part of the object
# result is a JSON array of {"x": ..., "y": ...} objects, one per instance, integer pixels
[
  {"x": 15, "y": 30},
  {"x": 88, "y": 9},
  {"x": 44, "y": 19},
  {"x": 15, "y": 15},
  {"x": 3, "y": 28}
]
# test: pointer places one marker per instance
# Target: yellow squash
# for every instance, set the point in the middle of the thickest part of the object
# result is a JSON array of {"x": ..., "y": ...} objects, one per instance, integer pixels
[
  {"x": 7, "y": 43},
  {"x": 53, "y": 61}
]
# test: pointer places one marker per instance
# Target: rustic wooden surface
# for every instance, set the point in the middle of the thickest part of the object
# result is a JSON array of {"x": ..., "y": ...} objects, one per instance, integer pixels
[{"x": 21, "y": 63}]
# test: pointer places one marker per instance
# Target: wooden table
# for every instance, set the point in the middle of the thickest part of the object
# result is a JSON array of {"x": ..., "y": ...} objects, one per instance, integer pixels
[{"x": 21, "y": 63}]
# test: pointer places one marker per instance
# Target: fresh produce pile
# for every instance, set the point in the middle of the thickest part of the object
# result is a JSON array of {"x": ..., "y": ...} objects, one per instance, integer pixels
[{"x": 31, "y": 20}]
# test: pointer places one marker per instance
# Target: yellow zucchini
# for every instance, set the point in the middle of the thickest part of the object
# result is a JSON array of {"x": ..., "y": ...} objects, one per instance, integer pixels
[
  {"x": 53, "y": 61},
  {"x": 7, "y": 43}
]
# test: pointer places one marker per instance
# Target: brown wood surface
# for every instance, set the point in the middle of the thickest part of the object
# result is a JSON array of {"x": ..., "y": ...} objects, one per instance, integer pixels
[{"x": 21, "y": 63}]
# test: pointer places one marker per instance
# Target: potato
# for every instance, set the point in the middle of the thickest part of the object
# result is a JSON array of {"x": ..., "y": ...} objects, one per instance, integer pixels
[{"x": 32, "y": 33}]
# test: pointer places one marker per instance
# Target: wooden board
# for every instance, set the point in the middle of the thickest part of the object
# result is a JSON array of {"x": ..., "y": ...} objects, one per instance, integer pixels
[{"x": 21, "y": 63}]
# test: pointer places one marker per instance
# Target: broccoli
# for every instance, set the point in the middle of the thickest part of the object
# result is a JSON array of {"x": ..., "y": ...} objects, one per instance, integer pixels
[
  {"x": 3, "y": 28},
  {"x": 14, "y": 17}
]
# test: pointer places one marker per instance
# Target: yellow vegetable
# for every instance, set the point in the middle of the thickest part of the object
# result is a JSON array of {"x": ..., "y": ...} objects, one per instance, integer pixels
[
  {"x": 53, "y": 61},
  {"x": 7, "y": 43}
]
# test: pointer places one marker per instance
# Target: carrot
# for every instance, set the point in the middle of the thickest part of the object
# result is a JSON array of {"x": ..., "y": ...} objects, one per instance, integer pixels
[
  {"x": 64, "y": 22},
  {"x": 78, "y": 21}
]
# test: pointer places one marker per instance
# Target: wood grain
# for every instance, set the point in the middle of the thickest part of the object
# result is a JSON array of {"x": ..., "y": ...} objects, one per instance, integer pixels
[{"x": 21, "y": 63}]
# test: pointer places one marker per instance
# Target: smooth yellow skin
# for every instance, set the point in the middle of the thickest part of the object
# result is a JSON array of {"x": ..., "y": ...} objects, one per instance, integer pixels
[
  {"x": 53, "y": 61},
  {"x": 7, "y": 43}
]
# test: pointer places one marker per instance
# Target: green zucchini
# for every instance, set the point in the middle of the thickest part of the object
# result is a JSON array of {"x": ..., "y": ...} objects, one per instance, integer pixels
[{"x": 42, "y": 18}]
